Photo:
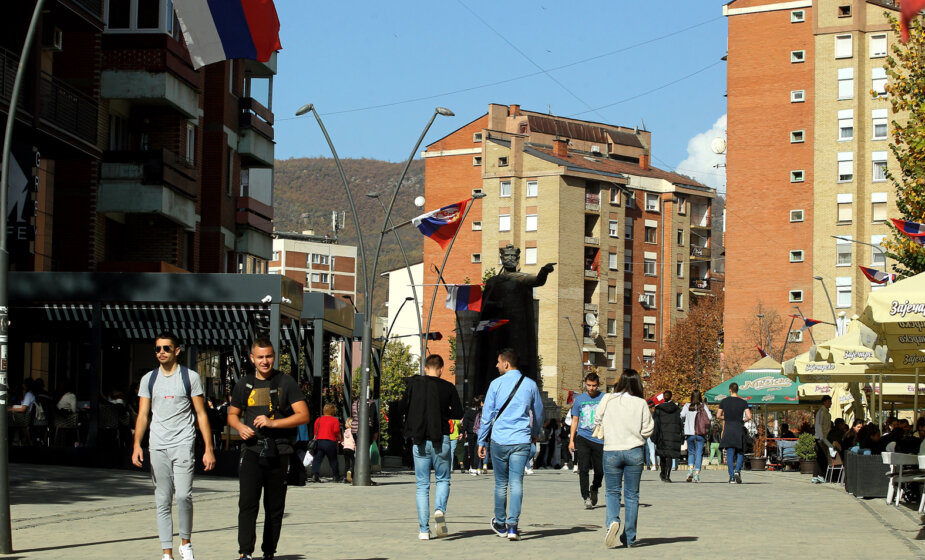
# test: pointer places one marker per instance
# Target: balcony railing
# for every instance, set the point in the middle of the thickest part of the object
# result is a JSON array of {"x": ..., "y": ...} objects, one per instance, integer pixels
[
  {"x": 95, "y": 7},
  {"x": 256, "y": 116},
  {"x": 589, "y": 207},
  {"x": 591, "y": 307},
  {"x": 151, "y": 167},
  {"x": 591, "y": 273},
  {"x": 700, "y": 284},
  {"x": 67, "y": 108},
  {"x": 700, "y": 252},
  {"x": 591, "y": 198},
  {"x": 592, "y": 241},
  {"x": 9, "y": 62}
]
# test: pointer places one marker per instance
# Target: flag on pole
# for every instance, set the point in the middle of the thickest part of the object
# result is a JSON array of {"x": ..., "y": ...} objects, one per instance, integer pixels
[
  {"x": 762, "y": 352},
  {"x": 909, "y": 229},
  {"x": 910, "y": 8},
  {"x": 217, "y": 30},
  {"x": 464, "y": 297},
  {"x": 491, "y": 325},
  {"x": 877, "y": 276},
  {"x": 440, "y": 225},
  {"x": 808, "y": 323}
]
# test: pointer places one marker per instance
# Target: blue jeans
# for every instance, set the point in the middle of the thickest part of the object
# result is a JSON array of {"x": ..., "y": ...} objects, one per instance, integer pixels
[
  {"x": 650, "y": 448},
  {"x": 735, "y": 459},
  {"x": 694, "y": 452},
  {"x": 622, "y": 471},
  {"x": 509, "y": 462},
  {"x": 453, "y": 443},
  {"x": 426, "y": 456}
]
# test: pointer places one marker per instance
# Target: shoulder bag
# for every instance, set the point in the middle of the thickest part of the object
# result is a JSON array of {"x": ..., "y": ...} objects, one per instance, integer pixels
[
  {"x": 598, "y": 432},
  {"x": 503, "y": 406}
]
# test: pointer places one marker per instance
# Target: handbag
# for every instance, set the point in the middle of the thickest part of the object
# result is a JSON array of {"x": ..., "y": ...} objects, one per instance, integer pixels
[
  {"x": 598, "y": 432},
  {"x": 312, "y": 445},
  {"x": 503, "y": 406}
]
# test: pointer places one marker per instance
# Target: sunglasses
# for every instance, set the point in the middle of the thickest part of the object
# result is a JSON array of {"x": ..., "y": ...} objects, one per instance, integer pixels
[{"x": 165, "y": 348}]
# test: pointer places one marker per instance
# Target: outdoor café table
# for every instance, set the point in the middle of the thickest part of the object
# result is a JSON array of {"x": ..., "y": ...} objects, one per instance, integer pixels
[{"x": 896, "y": 462}]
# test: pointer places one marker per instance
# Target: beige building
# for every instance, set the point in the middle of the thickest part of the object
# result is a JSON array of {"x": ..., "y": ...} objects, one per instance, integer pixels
[{"x": 317, "y": 262}]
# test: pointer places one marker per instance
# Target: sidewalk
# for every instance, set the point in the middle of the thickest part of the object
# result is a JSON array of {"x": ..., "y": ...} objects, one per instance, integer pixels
[{"x": 71, "y": 512}]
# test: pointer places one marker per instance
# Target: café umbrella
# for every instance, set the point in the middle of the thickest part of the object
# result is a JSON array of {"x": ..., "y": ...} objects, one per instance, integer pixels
[{"x": 761, "y": 383}]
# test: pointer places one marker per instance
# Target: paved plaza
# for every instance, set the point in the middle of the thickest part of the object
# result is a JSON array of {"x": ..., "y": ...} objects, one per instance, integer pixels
[{"x": 66, "y": 512}]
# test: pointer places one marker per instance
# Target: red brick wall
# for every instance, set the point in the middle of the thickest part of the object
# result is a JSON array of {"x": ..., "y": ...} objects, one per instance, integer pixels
[
  {"x": 345, "y": 264},
  {"x": 296, "y": 259},
  {"x": 343, "y": 283}
]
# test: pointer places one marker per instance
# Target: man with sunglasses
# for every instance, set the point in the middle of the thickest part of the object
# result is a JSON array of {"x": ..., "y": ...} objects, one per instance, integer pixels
[{"x": 174, "y": 398}]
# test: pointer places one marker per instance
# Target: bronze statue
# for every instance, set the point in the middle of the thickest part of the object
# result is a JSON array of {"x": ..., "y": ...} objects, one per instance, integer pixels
[{"x": 509, "y": 295}]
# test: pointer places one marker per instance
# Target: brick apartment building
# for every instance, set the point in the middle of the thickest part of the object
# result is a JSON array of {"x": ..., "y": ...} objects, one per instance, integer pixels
[
  {"x": 808, "y": 139},
  {"x": 317, "y": 262},
  {"x": 632, "y": 242}
]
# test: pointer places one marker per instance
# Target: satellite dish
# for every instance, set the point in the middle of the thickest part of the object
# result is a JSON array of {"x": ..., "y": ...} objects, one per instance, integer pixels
[
  {"x": 718, "y": 145},
  {"x": 590, "y": 319},
  {"x": 419, "y": 201}
]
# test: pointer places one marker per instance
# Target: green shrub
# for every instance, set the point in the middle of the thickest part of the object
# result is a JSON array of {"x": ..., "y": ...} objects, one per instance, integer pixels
[{"x": 806, "y": 447}]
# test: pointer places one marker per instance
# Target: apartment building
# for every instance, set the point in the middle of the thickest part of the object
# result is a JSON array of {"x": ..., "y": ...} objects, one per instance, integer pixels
[
  {"x": 631, "y": 242},
  {"x": 808, "y": 129},
  {"x": 317, "y": 262}
]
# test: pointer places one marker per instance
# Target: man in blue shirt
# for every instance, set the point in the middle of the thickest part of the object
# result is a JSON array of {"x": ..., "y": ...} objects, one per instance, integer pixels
[
  {"x": 511, "y": 434},
  {"x": 590, "y": 449}
]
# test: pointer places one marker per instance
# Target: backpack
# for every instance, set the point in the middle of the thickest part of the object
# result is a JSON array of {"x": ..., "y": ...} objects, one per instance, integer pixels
[
  {"x": 184, "y": 375},
  {"x": 701, "y": 421}
]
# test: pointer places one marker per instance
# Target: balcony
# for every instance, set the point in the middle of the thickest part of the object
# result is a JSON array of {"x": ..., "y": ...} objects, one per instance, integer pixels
[
  {"x": 700, "y": 284},
  {"x": 150, "y": 86},
  {"x": 591, "y": 274},
  {"x": 700, "y": 252},
  {"x": 595, "y": 241},
  {"x": 591, "y": 307},
  {"x": 592, "y": 202},
  {"x": 67, "y": 108},
  {"x": 255, "y": 140}
]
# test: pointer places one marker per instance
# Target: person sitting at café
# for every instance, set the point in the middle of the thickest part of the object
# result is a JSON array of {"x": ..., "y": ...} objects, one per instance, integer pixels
[
  {"x": 28, "y": 398},
  {"x": 785, "y": 431},
  {"x": 871, "y": 442},
  {"x": 68, "y": 400},
  {"x": 913, "y": 442},
  {"x": 850, "y": 439},
  {"x": 896, "y": 435}
]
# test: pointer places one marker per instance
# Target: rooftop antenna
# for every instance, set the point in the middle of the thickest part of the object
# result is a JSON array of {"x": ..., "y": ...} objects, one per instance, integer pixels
[{"x": 643, "y": 123}]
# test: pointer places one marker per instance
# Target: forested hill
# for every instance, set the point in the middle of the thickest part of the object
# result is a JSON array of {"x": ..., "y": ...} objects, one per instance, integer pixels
[{"x": 313, "y": 186}]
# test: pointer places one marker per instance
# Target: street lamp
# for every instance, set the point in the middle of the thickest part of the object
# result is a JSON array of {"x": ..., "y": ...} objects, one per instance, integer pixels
[
  {"x": 362, "y": 468},
  {"x": 877, "y": 247},
  {"x": 388, "y": 333},
  {"x": 829, "y": 298},
  {"x": 768, "y": 330}
]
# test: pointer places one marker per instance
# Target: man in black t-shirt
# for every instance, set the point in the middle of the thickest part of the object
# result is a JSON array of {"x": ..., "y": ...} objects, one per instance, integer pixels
[{"x": 265, "y": 409}]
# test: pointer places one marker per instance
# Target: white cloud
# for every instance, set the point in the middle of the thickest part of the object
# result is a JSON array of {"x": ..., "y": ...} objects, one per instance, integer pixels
[{"x": 701, "y": 161}]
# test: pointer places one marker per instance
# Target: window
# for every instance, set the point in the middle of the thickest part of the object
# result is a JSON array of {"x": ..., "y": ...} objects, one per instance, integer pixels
[
  {"x": 320, "y": 278},
  {"x": 611, "y": 360},
  {"x": 878, "y": 159},
  {"x": 878, "y": 46},
  {"x": 796, "y": 176},
  {"x": 627, "y": 300},
  {"x": 796, "y": 136},
  {"x": 530, "y": 222},
  {"x": 846, "y": 83},
  {"x": 611, "y": 327},
  {"x": 878, "y": 81},
  {"x": 796, "y": 296},
  {"x": 502, "y": 161},
  {"x": 843, "y": 202},
  {"x": 533, "y": 188},
  {"x": 879, "y": 117},
  {"x": 796, "y": 256},
  {"x": 878, "y": 206},
  {"x": 648, "y": 267},
  {"x": 615, "y": 195},
  {"x": 628, "y": 261},
  {"x": 530, "y": 255},
  {"x": 505, "y": 188},
  {"x": 139, "y": 16},
  {"x": 843, "y": 250},
  {"x": 843, "y": 46},
  {"x": 680, "y": 237},
  {"x": 797, "y": 96},
  {"x": 476, "y": 226},
  {"x": 844, "y": 11},
  {"x": 843, "y": 292},
  {"x": 629, "y": 228},
  {"x": 797, "y": 16},
  {"x": 614, "y": 228},
  {"x": 611, "y": 294},
  {"x": 190, "y": 143},
  {"x": 651, "y": 235},
  {"x": 797, "y": 56},
  {"x": 476, "y": 258},
  {"x": 476, "y": 136},
  {"x": 630, "y": 199},
  {"x": 679, "y": 269},
  {"x": 275, "y": 256},
  {"x": 877, "y": 255},
  {"x": 651, "y": 202},
  {"x": 796, "y": 215},
  {"x": 845, "y": 124},
  {"x": 682, "y": 205},
  {"x": 612, "y": 261},
  {"x": 229, "y": 177},
  {"x": 647, "y": 359},
  {"x": 679, "y": 300},
  {"x": 648, "y": 332},
  {"x": 476, "y": 160},
  {"x": 648, "y": 299},
  {"x": 504, "y": 222},
  {"x": 795, "y": 336},
  {"x": 845, "y": 167},
  {"x": 318, "y": 258},
  {"x": 627, "y": 326},
  {"x": 627, "y": 355}
]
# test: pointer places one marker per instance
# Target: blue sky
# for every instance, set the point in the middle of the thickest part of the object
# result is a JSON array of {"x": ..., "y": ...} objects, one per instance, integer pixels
[{"x": 366, "y": 66}]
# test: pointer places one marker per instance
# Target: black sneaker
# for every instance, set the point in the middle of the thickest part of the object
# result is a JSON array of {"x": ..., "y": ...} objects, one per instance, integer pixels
[
  {"x": 594, "y": 497},
  {"x": 738, "y": 477},
  {"x": 732, "y": 480},
  {"x": 500, "y": 529}
]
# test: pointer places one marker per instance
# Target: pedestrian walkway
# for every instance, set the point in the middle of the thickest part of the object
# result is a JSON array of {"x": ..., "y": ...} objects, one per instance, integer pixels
[{"x": 70, "y": 512}]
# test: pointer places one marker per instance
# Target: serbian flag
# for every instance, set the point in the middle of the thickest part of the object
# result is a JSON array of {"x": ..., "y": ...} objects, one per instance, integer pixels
[
  {"x": 762, "y": 352},
  {"x": 491, "y": 325},
  {"x": 909, "y": 229},
  {"x": 909, "y": 10},
  {"x": 217, "y": 30},
  {"x": 657, "y": 399},
  {"x": 877, "y": 276},
  {"x": 440, "y": 225},
  {"x": 809, "y": 323},
  {"x": 464, "y": 297}
]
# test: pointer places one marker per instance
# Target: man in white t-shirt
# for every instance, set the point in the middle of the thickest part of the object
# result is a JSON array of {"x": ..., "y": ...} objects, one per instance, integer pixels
[{"x": 174, "y": 398}]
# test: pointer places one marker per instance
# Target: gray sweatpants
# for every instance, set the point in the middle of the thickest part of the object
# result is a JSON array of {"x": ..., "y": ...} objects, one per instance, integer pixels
[{"x": 172, "y": 471}]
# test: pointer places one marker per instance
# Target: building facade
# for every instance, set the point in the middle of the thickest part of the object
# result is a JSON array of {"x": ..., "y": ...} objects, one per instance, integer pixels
[
  {"x": 402, "y": 314},
  {"x": 808, "y": 134},
  {"x": 631, "y": 242},
  {"x": 317, "y": 262}
]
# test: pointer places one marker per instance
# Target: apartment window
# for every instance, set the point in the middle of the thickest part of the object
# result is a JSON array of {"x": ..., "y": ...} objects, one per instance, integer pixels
[
  {"x": 843, "y": 292},
  {"x": 530, "y": 222},
  {"x": 628, "y": 261},
  {"x": 630, "y": 199},
  {"x": 797, "y": 96},
  {"x": 476, "y": 160},
  {"x": 843, "y": 203},
  {"x": 797, "y": 16},
  {"x": 843, "y": 250},
  {"x": 139, "y": 15},
  {"x": 530, "y": 255},
  {"x": 648, "y": 267},
  {"x": 682, "y": 205},
  {"x": 878, "y": 45},
  {"x": 878, "y": 159},
  {"x": 846, "y": 83},
  {"x": 504, "y": 222},
  {"x": 648, "y": 299},
  {"x": 627, "y": 300},
  {"x": 878, "y": 81},
  {"x": 627, "y": 326},
  {"x": 844, "y": 11},
  {"x": 615, "y": 195},
  {"x": 190, "y": 143},
  {"x": 611, "y": 360},
  {"x": 533, "y": 188},
  {"x": 651, "y": 202},
  {"x": 795, "y": 336},
  {"x": 845, "y": 124},
  {"x": 796, "y": 296},
  {"x": 320, "y": 278},
  {"x": 647, "y": 359},
  {"x": 845, "y": 167},
  {"x": 476, "y": 136},
  {"x": 612, "y": 261},
  {"x": 879, "y": 117},
  {"x": 505, "y": 188},
  {"x": 613, "y": 228},
  {"x": 318, "y": 258},
  {"x": 797, "y": 56},
  {"x": 796, "y": 215},
  {"x": 680, "y": 269},
  {"x": 629, "y": 228},
  {"x": 843, "y": 46},
  {"x": 878, "y": 206},
  {"x": 627, "y": 356},
  {"x": 611, "y": 327},
  {"x": 648, "y": 332},
  {"x": 797, "y": 136},
  {"x": 476, "y": 226},
  {"x": 502, "y": 161},
  {"x": 651, "y": 235},
  {"x": 611, "y": 294},
  {"x": 796, "y": 176},
  {"x": 680, "y": 237},
  {"x": 796, "y": 256},
  {"x": 275, "y": 256},
  {"x": 679, "y": 300},
  {"x": 476, "y": 258},
  {"x": 877, "y": 255}
]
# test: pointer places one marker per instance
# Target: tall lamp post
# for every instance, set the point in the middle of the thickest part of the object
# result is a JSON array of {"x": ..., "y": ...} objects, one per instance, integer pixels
[
  {"x": 829, "y": 298},
  {"x": 877, "y": 247},
  {"x": 362, "y": 467},
  {"x": 768, "y": 332}
]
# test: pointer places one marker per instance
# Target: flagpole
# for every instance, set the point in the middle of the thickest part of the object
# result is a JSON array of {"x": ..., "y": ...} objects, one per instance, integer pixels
[
  {"x": 787, "y": 340},
  {"x": 433, "y": 300}
]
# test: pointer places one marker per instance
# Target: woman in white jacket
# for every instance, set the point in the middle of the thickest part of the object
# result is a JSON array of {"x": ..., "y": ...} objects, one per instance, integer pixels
[
  {"x": 695, "y": 441},
  {"x": 625, "y": 421}
]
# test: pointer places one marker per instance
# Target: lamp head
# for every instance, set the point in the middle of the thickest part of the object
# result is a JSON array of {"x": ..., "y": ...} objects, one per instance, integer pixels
[
  {"x": 760, "y": 315},
  {"x": 307, "y": 108},
  {"x": 479, "y": 195},
  {"x": 817, "y": 278},
  {"x": 372, "y": 194},
  {"x": 419, "y": 201},
  {"x": 409, "y": 298},
  {"x": 445, "y": 112}
]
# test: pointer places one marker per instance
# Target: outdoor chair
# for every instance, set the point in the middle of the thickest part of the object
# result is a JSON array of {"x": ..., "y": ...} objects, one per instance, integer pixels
[
  {"x": 835, "y": 464},
  {"x": 22, "y": 423},
  {"x": 110, "y": 420},
  {"x": 68, "y": 421},
  {"x": 898, "y": 476}
]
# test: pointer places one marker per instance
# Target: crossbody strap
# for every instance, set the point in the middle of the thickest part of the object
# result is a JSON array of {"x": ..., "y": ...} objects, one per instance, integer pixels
[{"x": 509, "y": 397}]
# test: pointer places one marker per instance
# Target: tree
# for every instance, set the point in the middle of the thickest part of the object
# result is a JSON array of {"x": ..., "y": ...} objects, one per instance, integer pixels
[
  {"x": 906, "y": 93},
  {"x": 398, "y": 364}
]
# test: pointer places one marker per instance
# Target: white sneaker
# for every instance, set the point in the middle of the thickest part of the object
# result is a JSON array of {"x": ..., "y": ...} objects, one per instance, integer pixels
[
  {"x": 186, "y": 551},
  {"x": 564, "y": 468},
  {"x": 575, "y": 469},
  {"x": 424, "y": 536},
  {"x": 528, "y": 470},
  {"x": 166, "y": 557},
  {"x": 440, "y": 521}
]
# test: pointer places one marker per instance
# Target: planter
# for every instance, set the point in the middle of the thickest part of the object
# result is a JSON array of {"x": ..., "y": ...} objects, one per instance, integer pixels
[
  {"x": 759, "y": 463},
  {"x": 807, "y": 466}
]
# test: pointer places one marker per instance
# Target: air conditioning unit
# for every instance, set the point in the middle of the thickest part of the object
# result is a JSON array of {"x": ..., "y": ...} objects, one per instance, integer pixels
[
  {"x": 53, "y": 40},
  {"x": 595, "y": 149},
  {"x": 642, "y": 298}
]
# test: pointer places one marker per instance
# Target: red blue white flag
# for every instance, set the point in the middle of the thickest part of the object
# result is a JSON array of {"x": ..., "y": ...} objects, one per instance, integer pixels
[
  {"x": 762, "y": 352},
  {"x": 809, "y": 323},
  {"x": 491, "y": 325},
  {"x": 877, "y": 276},
  {"x": 217, "y": 30},
  {"x": 909, "y": 229},
  {"x": 441, "y": 225},
  {"x": 464, "y": 297},
  {"x": 909, "y": 10}
]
